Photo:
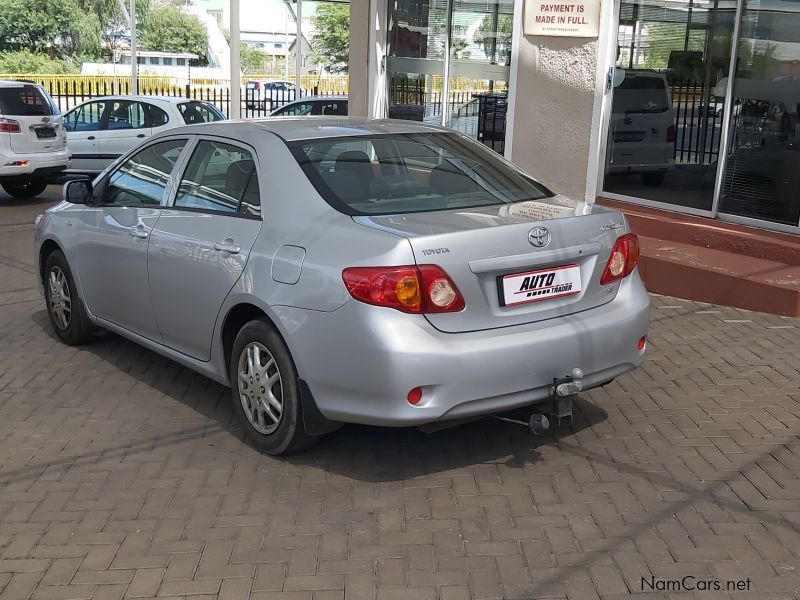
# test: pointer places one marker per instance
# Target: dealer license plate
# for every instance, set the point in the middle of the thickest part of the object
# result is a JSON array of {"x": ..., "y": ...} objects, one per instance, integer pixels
[{"x": 541, "y": 285}]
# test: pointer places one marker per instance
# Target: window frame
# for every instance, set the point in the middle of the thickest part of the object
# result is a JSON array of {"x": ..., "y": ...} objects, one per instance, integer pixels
[
  {"x": 183, "y": 165},
  {"x": 109, "y": 110},
  {"x": 169, "y": 189}
]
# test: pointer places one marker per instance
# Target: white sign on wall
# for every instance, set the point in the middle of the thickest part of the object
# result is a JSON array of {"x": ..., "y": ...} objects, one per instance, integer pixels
[{"x": 567, "y": 18}]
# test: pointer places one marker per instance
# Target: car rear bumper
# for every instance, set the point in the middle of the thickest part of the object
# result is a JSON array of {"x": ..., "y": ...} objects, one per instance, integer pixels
[
  {"x": 361, "y": 361},
  {"x": 42, "y": 164}
]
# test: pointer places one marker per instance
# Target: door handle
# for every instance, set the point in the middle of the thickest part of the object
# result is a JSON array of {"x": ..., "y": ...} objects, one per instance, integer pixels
[
  {"x": 139, "y": 232},
  {"x": 91, "y": 137},
  {"x": 227, "y": 245},
  {"x": 141, "y": 135}
]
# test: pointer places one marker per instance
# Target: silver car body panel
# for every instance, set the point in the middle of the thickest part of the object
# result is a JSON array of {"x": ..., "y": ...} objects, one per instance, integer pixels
[{"x": 359, "y": 361}]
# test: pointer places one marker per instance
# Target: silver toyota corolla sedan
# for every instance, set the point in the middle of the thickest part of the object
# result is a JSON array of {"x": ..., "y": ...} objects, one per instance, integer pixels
[{"x": 344, "y": 270}]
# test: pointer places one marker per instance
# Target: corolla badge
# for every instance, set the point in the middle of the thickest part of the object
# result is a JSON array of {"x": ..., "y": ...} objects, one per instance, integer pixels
[{"x": 539, "y": 237}]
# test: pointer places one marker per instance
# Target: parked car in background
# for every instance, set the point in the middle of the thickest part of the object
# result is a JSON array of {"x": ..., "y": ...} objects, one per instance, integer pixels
[
  {"x": 268, "y": 94},
  {"x": 338, "y": 270},
  {"x": 312, "y": 106},
  {"x": 33, "y": 146},
  {"x": 642, "y": 130},
  {"x": 100, "y": 131}
]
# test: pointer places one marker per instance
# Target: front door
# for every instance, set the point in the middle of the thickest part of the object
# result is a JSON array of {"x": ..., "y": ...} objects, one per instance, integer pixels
[
  {"x": 199, "y": 247},
  {"x": 115, "y": 233},
  {"x": 83, "y": 131},
  {"x": 126, "y": 125}
]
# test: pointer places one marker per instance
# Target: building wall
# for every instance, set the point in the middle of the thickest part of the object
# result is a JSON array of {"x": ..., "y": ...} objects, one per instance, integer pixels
[{"x": 553, "y": 90}]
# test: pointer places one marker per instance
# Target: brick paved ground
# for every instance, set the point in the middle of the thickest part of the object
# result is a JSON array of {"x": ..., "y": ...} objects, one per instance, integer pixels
[{"x": 123, "y": 476}]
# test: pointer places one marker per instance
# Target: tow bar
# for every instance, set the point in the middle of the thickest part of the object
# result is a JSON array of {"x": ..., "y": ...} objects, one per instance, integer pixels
[{"x": 562, "y": 393}]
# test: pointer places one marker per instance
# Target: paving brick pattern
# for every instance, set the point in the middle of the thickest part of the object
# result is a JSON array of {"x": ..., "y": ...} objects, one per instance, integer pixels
[{"x": 123, "y": 475}]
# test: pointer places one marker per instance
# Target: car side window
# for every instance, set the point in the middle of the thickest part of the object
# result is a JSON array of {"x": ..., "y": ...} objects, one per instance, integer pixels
[
  {"x": 298, "y": 110},
  {"x": 86, "y": 117},
  {"x": 126, "y": 115},
  {"x": 334, "y": 108},
  {"x": 142, "y": 179},
  {"x": 157, "y": 117},
  {"x": 220, "y": 178}
]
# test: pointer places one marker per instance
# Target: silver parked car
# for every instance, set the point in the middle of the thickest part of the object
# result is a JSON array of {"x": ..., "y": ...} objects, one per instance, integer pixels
[{"x": 346, "y": 270}]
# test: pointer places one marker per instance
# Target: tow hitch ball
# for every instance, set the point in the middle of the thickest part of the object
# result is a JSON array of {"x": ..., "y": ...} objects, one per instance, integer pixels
[{"x": 561, "y": 392}]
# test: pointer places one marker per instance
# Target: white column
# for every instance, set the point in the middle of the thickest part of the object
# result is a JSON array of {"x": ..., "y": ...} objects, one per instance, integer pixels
[
  {"x": 298, "y": 47},
  {"x": 236, "y": 68},
  {"x": 358, "y": 72},
  {"x": 134, "y": 62}
]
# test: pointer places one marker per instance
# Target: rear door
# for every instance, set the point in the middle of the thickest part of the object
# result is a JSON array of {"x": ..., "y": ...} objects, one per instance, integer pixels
[
  {"x": 82, "y": 124},
  {"x": 40, "y": 125},
  {"x": 125, "y": 125},
  {"x": 200, "y": 245}
]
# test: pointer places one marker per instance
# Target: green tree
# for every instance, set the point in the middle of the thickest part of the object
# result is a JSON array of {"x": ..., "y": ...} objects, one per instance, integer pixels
[
  {"x": 332, "y": 40},
  {"x": 25, "y": 61},
  {"x": 40, "y": 26},
  {"x": 252, "y": 60},
  {"x": 495, "y": 40},
  {"x": 168, "y": 29}
]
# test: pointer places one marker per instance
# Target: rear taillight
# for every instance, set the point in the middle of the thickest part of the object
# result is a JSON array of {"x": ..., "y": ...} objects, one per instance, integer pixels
[
  {"x": 671, "y": 133},
  {"x": 9, "y": 126},
  {"x": 410, "y": 289},
  {"x": 623, "y": 259}
]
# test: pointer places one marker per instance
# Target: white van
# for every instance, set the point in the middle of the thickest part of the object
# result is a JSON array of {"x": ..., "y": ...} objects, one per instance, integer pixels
[
  {"x": 642, "y": 132},
  {"x": 33, "y": 144}
]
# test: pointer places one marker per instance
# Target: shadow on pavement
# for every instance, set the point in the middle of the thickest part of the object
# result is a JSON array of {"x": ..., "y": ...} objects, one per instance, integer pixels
[{"x": 356, "y": 452}]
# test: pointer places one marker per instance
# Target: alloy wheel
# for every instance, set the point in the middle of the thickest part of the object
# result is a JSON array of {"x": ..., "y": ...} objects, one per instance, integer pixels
[
  {"x": 60, "y": 301},
  {"x": 260, "y": 388}
]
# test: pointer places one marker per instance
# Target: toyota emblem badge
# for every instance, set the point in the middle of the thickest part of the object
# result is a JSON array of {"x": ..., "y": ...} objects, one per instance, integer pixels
[{"x": 539, "y": 237}]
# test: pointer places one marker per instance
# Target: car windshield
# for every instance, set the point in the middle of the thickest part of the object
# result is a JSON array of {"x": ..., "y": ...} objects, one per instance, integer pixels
[
  {"x": 404, "y": 173},
  {"x": 25, "y": 100}
]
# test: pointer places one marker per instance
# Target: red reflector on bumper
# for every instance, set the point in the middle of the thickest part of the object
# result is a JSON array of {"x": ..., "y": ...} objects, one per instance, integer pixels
[{"x": 414, "y": 396}]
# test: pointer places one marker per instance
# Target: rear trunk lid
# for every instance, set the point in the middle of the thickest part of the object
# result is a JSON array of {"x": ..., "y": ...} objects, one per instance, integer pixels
[
  {"x": 41, "y": 127},
  {"x": 498, "y": 258}
]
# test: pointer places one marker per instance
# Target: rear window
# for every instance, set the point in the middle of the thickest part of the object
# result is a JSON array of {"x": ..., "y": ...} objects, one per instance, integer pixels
[
  {"x": 404, "y": 173},
  {"x": 637, "y": 94},
  {"x": 199, "y": 112},
  {"x": 25, "y": 100}
]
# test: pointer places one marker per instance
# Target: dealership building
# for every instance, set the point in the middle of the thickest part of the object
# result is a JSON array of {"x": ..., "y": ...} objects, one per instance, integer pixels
[{"x": 680, "y": 112}]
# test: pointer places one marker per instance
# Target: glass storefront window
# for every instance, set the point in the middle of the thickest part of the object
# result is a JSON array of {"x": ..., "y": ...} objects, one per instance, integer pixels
[
  {"x": 762, "y": 172},
  {"x": 449, "y": 63},
  {"x": 666, "y": 120}
]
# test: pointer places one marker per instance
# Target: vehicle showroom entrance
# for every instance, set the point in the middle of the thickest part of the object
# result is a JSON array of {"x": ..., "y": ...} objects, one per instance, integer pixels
[{"x": 689, "y": 105}]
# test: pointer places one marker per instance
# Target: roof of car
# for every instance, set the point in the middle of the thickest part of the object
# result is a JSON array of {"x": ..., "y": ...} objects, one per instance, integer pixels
[
  {"x": 141, "y": 97},
  {"x": 312, "y": 98},
  {"x": 15, "y": 82},
  {"x": 305, "y": 128}
]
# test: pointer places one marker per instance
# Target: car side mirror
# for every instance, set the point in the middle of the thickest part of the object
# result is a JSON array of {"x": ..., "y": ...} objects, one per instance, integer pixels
[{"x": 78, "y": 191}]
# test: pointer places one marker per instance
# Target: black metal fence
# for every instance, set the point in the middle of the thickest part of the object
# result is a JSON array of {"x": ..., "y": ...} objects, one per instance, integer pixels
[
  {"x": 254, "y": 102},
  {"x": 698, "y": 123}
]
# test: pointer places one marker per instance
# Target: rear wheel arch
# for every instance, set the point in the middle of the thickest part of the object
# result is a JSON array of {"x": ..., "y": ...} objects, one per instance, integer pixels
[{"x": 236, "y": 318}]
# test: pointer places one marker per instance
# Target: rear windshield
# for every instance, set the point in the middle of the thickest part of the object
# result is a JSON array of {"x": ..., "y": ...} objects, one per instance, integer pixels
[
  {"x": 25, "y": 100},
  {"x": 637, "y": 95},
  {"x": 199, "y": 112},
  {"x": 404, "y": 173}
]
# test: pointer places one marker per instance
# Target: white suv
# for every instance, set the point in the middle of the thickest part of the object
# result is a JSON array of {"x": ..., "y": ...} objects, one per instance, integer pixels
[{"x": 33, "y": 144}]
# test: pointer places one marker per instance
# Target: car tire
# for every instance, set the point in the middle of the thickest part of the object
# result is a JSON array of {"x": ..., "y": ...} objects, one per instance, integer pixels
[
  {"x": 655, "y": 179},
  {"x": 64, "y": 307},
  {"x": 272, "y": 413},
  {"x": 24, "y": 189}
]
